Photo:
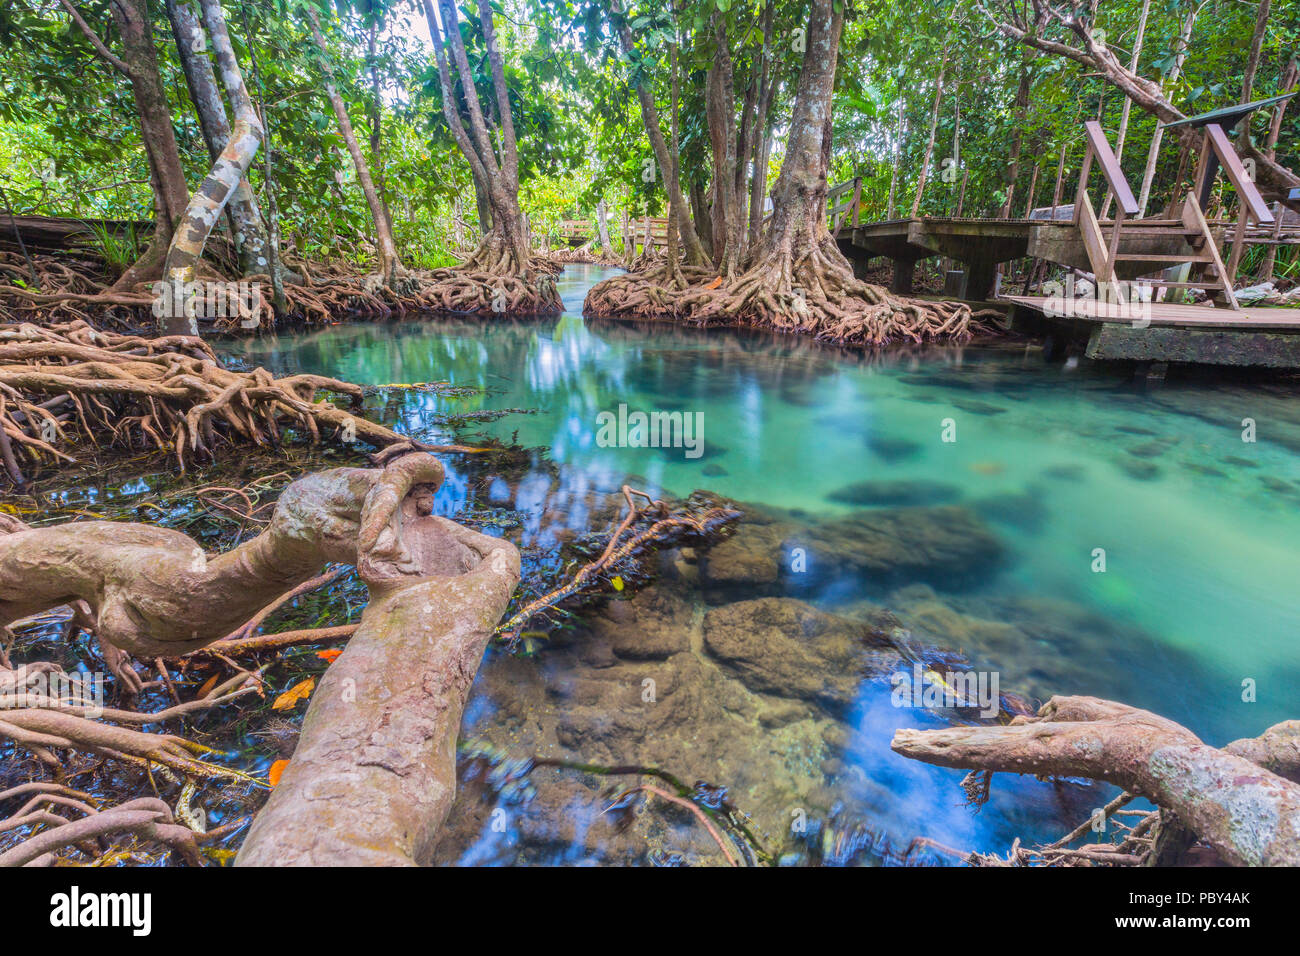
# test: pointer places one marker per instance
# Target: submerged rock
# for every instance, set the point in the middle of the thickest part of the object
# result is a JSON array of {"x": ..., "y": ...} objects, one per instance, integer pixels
[
  {"x": 893, "y": 449},
  {"x": 1024, "y": 509},
  {"x": 787, "y": 648},
  {"x": 978, "y": 408},
  {"x": 767, "y": 556},
  {"x": 1043, "y": 646},
  {"x": 903, "y": 492}
]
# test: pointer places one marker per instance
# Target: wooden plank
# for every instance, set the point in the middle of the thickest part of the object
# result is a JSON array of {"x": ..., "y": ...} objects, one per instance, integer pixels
[
  {"x": 1092, "y": 241},
  {"x": 1153, "y": 257},
  {"x": 1246, "y": 190},
  {"x": 1193, "y": 216},
  {"x": 1110, "y": 168},
  {"x": 1165, "y": 313},
  {"x": 1085, "y": 168}
]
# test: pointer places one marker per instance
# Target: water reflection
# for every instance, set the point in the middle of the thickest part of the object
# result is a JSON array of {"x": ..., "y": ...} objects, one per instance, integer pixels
[{"x": 1198, "y": 528}]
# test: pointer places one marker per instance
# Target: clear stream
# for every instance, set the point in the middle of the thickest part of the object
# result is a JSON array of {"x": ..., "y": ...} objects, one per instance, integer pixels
[{"x": 1196, "y": 614}]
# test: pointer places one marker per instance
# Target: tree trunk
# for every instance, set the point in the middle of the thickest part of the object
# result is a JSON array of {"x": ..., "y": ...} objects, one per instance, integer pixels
[
  {"x": 1256, "y": 43},
  {"x": 893, "y": 171},
  {"x": 602, "y": 230},
  {"x": 390, "y": 266},
  {"x": 721, "y": 115},
  {"x": 245, "y": 220},
  {"x": 1286, "y": 85},
  {"x": 1153, "y": 153},
  {"x": 1017, "y": 139},
  {"x": 934, "y": 126},
  {"x": 139, "y": 64},
  {"x": 504, "y": 249},
  {"x": 799, "y": 217},
  {"x": 377, "y": 114},
  {"x": 483, "y": 206},
  {"x": 229, "y": 170},
  {"x": 695, "y": 254},
  {"x": 1128, "y": 103},
  {"x": 761, "y": 152}
]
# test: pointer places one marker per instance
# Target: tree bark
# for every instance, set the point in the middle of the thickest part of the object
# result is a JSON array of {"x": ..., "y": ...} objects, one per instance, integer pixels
[
  {"x": 139, "y": 64},
  {"x": 242, "y": 212},
  {"x": 390, "y": 265},
  {"x": 223, "y": 180},
  {"x": 934, "y": 126},
  {"x": 678, "y": 210},
  {"x": 1250, "y": 815}
]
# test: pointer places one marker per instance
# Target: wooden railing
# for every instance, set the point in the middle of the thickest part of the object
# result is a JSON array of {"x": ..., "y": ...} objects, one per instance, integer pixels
[
  {"x": 845, "y": 202},
  {"x": 1251, "y": 204},
  {"x": 575, "y": 229},
  {"x": 1101, "y": 253}
]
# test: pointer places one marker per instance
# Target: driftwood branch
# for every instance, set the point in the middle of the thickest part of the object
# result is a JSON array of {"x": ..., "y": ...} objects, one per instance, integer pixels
[{"x": 1248, "y": 814}]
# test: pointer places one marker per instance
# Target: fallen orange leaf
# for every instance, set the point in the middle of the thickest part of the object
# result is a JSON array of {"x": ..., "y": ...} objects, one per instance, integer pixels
[
  {"x": 277, "y": 768},
  {"x": 300, "y": 691},
  {"x": 331, "y": 655},
  {"x": 208, "y": 684},
  {"x": 715, "y": 283}
]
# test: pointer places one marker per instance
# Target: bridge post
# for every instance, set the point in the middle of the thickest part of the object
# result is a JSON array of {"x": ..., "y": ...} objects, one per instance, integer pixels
[
  {"x": 979, "y": 279},
  {"x": 904, "y": 275}
]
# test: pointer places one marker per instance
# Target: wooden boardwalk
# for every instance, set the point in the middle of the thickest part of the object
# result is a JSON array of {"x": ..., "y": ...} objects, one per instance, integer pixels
[{"x": 1164, "y": 314}]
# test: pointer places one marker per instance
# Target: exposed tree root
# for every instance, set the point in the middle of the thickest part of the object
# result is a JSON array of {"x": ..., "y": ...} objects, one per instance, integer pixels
[
  {"x": 1250, "y": 816},
  {"x": 667, "y": 525},
  {"x": 489, "y": 294},
  {"x": 72, "y": 386},
  {"x": 147, "y": 818},
  {"x": 486, "y": 284},
  {"x": 389, "y": 705},
  {"x": 816, "y": 295},
  {"x": 580, "y": 255}
]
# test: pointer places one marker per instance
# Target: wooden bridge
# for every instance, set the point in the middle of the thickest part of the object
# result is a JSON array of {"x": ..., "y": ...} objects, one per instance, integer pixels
[
  {"x": 1177, "y": 250},
  {"x": 579, "y": 232},
  {"x": 1121, "y": 248}
]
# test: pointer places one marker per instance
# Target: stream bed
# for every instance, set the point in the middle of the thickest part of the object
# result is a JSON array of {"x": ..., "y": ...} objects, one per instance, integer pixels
[{"x": 1054, "y": 528}]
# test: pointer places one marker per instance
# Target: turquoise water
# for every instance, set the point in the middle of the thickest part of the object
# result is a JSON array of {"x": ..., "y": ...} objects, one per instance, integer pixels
[{"x": 1200, "y": 530}]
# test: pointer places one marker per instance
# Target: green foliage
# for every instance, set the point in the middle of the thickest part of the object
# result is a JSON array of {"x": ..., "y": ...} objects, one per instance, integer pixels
[{"x": 69, "y": 143}]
